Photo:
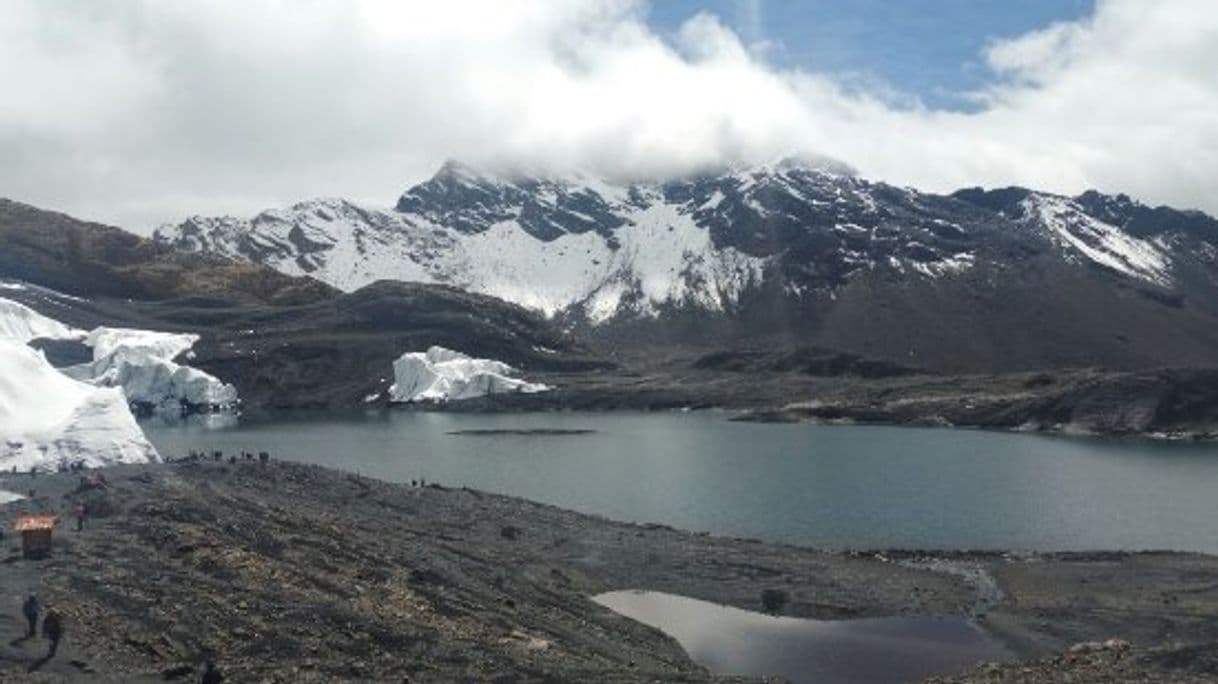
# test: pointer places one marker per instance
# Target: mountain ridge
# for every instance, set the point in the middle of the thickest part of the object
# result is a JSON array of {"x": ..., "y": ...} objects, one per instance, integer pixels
[{"x": 979, "y": 280}]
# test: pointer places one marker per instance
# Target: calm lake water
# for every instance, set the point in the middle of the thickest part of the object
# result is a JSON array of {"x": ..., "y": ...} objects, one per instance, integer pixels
[
  {"x": 731, "y": 641},
  {"x": 829, "y": 486}
]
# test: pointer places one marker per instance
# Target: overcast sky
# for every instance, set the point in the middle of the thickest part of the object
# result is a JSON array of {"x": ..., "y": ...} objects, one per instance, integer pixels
[{"x": 141, "y": 111}]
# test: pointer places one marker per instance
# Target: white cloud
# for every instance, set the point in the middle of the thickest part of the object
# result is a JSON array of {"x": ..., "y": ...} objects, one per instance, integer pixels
[{"x": 136, "y": 111}]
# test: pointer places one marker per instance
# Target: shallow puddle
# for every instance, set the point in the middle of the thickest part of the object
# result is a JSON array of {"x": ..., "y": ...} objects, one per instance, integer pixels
[{"x": 728, "y": 640}]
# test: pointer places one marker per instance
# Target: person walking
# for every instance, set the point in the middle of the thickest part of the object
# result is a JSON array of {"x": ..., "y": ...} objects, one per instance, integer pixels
[
  {"x": 52, "y": 629},
  {"x": 78, "y": 511},
  {"x": 30, "y": 610},
  {"x": 211, "y": 675}
]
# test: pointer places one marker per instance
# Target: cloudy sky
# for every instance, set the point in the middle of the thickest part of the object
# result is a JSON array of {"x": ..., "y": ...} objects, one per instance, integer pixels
[{"x": 141, "y": 111}]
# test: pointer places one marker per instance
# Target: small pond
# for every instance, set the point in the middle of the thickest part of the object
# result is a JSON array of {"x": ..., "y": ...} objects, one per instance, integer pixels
[{"x": 731, "y": 641}]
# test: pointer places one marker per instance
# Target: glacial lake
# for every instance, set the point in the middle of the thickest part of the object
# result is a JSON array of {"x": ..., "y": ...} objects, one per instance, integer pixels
[{"x": 825, "y": 486}]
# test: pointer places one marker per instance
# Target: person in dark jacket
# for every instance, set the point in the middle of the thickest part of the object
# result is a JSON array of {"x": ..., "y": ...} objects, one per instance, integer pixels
[
  {"x": 210, "y": 674},
  {"x": 52, "y": 629},
  {"x": 30, "y": 610},
  {"x": 78, "y": 512}
]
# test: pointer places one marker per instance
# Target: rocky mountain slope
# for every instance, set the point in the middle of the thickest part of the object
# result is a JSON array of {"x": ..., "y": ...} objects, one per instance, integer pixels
[
  {"x": 282, "y": 341},
  {"x": 94, "y": 260},
  {"x": 974, "y": 282}
]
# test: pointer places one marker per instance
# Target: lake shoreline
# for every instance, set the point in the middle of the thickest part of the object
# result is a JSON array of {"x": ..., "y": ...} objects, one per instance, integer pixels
[
  {"x": 201, "y": 558},
  {"x": 1165, "y": 405}
]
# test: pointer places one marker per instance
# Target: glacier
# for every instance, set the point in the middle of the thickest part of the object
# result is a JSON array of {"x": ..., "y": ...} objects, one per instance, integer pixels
[
  {"x": 141, "y": 362},
  {"x": 21, "y": 323},
  {"x": 439, "y": 375},
  {"x": 48, "y": 419}
]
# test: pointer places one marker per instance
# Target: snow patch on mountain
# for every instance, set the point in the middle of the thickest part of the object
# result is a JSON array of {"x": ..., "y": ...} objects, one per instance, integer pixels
[
  {"x": 48, "y": 419},
  {"x": 440, "y": 375},
  {"x": 1071, "y": 227},
  {"x": 596, "y": 251},
  {"x": 141, "y": 363},
  {"x": 659, "y": 256},
  {"x": 957, "y": 263}
]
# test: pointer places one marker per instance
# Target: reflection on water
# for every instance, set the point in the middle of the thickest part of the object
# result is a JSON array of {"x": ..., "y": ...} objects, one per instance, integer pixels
[
  {"x": 831, "y": 486},
  {"x": 731, "y": 641}
]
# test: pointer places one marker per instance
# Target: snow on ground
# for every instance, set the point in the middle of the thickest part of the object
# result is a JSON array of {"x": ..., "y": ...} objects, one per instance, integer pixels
[
  {"x": 1100, "y": 242},
  {"x": 141, "y": 362},
  {"x": 440, "y": 375},
  {"x": 20, "y": 323},
  {"x": 957, "y": 263},
  {"x": 48, "y": 419}
]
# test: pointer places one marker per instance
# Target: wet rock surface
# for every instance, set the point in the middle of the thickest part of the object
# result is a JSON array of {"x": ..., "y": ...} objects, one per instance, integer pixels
[{"x": 285, "y": 572}]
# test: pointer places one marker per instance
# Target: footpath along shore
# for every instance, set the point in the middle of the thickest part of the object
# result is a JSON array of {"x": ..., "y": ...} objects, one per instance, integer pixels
[{"x": 288, "y": 572}]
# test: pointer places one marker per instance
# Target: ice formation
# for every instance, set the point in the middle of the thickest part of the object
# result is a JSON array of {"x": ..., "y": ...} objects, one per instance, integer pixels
[
  {"x": 141, "y": 362},
  {"x": 440, "y": 375},
  {"x": 20, "y": 323},
  {"x": 47, "y": 418}
]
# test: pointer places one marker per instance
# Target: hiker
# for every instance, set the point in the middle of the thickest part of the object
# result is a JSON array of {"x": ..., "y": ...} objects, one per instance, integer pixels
[
  {"x": 52, "y": 628},
  {"x": 30, "y": 610},
  {"x": 210, "y": 674},
  {"x": 78, "y": 511}
]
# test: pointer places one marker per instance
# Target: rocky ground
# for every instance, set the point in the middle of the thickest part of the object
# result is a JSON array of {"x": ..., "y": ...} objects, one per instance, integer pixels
[
  {"x": 285, "y": 572},
  {"x": 826, "y": 386},
  {"x": 1113, "y": 661}
]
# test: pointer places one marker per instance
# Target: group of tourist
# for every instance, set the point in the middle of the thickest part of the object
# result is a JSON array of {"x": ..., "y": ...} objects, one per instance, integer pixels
[
  {"x": 52, "y": 624},
  {"x": 52, "y": 621}
]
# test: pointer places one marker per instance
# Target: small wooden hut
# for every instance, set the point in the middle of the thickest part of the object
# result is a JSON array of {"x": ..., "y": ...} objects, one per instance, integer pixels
[{"x": 35, "y": 531}]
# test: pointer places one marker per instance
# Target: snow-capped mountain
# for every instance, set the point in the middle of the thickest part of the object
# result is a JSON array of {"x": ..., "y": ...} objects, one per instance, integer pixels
[
  {"x": 578, "y": 245},
  {"x": 1159, "y": 245},
  {"x": 977, "y": 279}
]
